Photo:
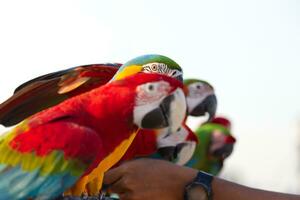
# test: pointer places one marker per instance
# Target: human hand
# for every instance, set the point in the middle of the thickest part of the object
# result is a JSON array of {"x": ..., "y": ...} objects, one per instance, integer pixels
[{"x": 144, "y": 179}]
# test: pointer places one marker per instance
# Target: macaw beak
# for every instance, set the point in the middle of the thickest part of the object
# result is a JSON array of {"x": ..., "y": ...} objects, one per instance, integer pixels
[
  {"x": 170, "y": 113},
  {"x": 208, "y": 105},
  {"x": 226, "y": 150},
  {"x": 223, "y": 152},
  {"x": 168, "y": 153},
  {"x": 182, "y": 151}
]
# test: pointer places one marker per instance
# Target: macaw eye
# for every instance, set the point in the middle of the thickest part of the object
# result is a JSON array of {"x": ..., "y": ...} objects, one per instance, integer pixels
[
  {"x": 198, "y": 86},
  {"x": 179, "y": 129},
  {"x": 154, "y": 67},
  {"x": 150, "y": 92},
  {"x": 153, "y": 88},
  {"x": 174, "y": 73},
  {"x": 150, "y": 87}
]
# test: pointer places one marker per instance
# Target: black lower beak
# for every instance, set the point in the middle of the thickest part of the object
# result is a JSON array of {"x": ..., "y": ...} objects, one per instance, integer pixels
[
  {"x": 159, "y": 117},
  {"x": 168, "y": 153},
  {"x": 179, "y": 147},
  {"x": 224, "y": 151},
  {"x": 171, "y": 153},
  {"x": 209, "y": 105}
]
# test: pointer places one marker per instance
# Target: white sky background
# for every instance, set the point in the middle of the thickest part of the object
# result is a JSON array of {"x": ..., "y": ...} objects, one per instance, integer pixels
[{"x": 249, "y": 51}]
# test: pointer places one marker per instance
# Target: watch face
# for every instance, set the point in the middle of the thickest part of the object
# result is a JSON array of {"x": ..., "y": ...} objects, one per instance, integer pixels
[{"x": 196, "y": 192}]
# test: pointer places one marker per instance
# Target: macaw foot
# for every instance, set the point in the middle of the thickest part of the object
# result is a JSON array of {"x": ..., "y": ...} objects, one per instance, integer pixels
[
  {"x": 93, "y": 187},
  {"x": 78, "y": 189}
]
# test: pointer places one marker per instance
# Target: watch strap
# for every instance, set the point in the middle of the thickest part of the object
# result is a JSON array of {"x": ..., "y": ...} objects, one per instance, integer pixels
[{"x": 202, "y": 179}]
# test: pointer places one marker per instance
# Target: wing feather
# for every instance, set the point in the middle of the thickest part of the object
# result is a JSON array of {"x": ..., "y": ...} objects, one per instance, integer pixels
[
  {"x": 50, "y": 89},
  {"x": 33, "y": 166}
]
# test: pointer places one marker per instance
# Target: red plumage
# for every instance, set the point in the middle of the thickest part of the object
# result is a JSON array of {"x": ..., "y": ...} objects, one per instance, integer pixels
[
  {"x": 107, "y": 111},
  {"x": 74, "y": 141},
  {"x": 191, "y": 136},
  {"x": 144, "y": 144}
]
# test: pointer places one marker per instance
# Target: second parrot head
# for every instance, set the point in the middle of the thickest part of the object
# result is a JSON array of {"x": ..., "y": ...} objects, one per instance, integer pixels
[
  {"x": 177, "y": 146},
  {"x": 200, "y": 97}
]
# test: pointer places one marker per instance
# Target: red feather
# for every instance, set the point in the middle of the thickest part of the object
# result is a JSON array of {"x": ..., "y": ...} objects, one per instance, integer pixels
[
  {"x": 107, "y": 110},
  {"x": 75, "y": 141},
  {"x": 144, "y": 144}
]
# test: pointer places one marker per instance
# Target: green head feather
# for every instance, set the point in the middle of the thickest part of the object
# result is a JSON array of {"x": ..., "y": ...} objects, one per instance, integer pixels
[
  {"x": 200, "y": 160},
  {"x": 187, "y": 82},
  {"x": 151, "y": 58},
  {"x": 151, "y": 63}
]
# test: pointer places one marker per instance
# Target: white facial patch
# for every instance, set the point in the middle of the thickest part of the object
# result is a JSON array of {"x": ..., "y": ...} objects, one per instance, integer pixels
[
  {"x": 149, "y": 96},
  {"x": 186, "y": 153},
  {"x": 151, "y": 92},
  {"x": 140, "y": 111},
  {"x": 178, "y": 110},
  {"x": 166, "y": 139}
]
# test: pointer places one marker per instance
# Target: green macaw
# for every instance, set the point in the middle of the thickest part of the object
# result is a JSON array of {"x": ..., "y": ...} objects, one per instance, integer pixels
[{"x": 215, "y": 145}]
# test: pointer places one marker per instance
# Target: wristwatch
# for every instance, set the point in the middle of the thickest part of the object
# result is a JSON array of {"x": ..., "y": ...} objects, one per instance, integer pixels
[{"x": 201, "y": 183}]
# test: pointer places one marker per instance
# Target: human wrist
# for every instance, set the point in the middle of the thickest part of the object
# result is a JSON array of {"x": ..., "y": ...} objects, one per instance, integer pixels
[
  {"x": 187, "y": 175},
  {"x": 183, "y": 176}
]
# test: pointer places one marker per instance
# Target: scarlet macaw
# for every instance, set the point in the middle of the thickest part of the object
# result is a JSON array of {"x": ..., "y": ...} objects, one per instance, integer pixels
[
  {"x": 31, "y": 97},
  {"x": 69, "y": 145}
]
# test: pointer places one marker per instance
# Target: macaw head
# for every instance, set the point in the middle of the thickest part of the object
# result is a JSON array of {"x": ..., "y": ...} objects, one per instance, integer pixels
[
  {"x": 159, "y": 100},
  {"x": 200, "y": 97},
  {"x": 216, "y": 141},
  {"x": 177, "y": 146},
  {"x": 221, "y": 142},
  {"x": 185, "y": 150},
  {"x": 151, "y": 63}
]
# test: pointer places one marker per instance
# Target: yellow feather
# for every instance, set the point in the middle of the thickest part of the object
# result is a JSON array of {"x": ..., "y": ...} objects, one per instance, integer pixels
[
  {"x": 95, "y": 185},
  {"x": 73, "y": 85},
  {"x": 130, "y": 70},
  {"x": 26, "y": 162},
  {"x": 93, "y": 181},
  {"x": 112, "y": 158}
]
